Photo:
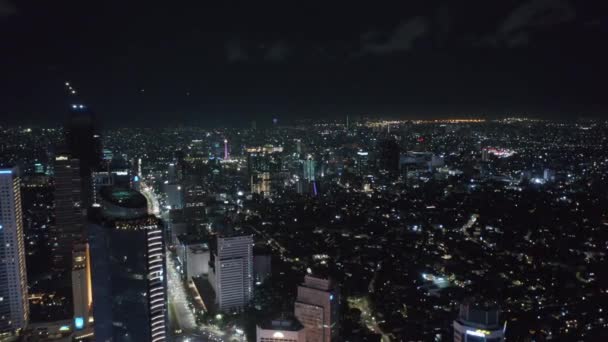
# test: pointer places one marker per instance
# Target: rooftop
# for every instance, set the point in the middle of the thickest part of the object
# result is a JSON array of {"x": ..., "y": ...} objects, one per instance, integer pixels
[{"x": 123, "y": 197}]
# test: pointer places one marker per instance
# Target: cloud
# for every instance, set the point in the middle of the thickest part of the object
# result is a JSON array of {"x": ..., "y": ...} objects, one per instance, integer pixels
[
  {"x": 401, "y": 39},
  {"x": 235, "y": 51},
  {"x": 538, "y": 13},
  {"x": 7, "y": 8},
  {"x": 277, "y": 52}
]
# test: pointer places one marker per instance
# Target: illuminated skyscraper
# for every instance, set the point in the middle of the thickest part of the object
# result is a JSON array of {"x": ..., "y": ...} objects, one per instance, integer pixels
[
  {"x": 309, "y": 168},
  {"x": 233, "y": 272},
  {"x": 14, "y": 309},
  {"x": 226, "y": 154},
  {"x": 69, "y": 219},
  {"x": 82, "y": 291},
  {"x": 316, "y": 308},
  {"x": 478, "y": 323},
  {"x": 128, "y": 268}
]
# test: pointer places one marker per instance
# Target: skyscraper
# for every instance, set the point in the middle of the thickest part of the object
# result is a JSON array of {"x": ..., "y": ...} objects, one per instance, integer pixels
[
  {"x": 84, "y": 143},
  {"x": 388, "y": 158},
  {"x": 128, "y": 264},
  {"x": 478, "y": 322},
  {"x": 309, "y": 165},
  {"x": 82, "y": 292},
  {"x": 316, "y": 308},
  {"x": 14, "y": 309},
  {"x": 233, "y": 271},
  {"x": 69, "y": 219}
]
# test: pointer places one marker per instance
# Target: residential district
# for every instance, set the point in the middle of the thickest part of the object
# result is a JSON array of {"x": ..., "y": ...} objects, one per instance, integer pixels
[{"x": 351, "y": 230}]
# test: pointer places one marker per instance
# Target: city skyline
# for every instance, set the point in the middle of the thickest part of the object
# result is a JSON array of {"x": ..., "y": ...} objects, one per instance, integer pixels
[{"x": 291, "y": 172}]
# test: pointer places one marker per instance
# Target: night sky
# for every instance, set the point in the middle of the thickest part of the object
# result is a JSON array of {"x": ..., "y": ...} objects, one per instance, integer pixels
[{"x": 230, "y": 63}]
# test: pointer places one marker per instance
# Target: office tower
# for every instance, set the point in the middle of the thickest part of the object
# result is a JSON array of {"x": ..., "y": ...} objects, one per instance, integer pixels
[
  {"x": 82, "y": 292},
  {"x": 549, "y": 175},
  {"x": 172, "y": 173},
  {"x": 309, "y": 168},
  {"x": 284, "y": 329},
  {"x": 388, "y": 158},
  {"x": 233, "y": 268},
  {"x": 478, "y": 322},
  {"x": 14, "y": 309},
  {"x": 317, "y": 307},
  {"x": 83, "y": 141},
  {"x": 175, "y": 195},
  {"x": 194, "y": 207},
  {"x": 226, "y": 154},
  {"x": 298, "y": 147},
  {"x": 485, "y": 155},
  {"x": 264, "y": 159},
  {"x": 128, "y": 267},
  {"x": 261, "y": 183},
  {"x": 262, "y": 264},
  {"x": 69, "y": 218},
  {"x": 362, "y": 161},
  {"x": 194, "y": 258}
]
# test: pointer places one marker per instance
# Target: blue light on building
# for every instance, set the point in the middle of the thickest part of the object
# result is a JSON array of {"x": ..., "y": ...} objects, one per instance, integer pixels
[{"x": 79, "y": 322}]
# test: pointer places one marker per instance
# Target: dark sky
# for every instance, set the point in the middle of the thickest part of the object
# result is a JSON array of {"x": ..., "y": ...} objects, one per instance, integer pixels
[{"x": 232, "y": 62}]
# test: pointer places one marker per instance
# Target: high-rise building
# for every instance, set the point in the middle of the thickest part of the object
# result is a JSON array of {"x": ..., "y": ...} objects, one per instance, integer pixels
[
  {"x": 317, "y": 307},
  {"x": 281, "y": 330},
  {"x": 362, "y": 163},
  {"x": 83, "y": 141},
  {"x": 175, "y": 195},
  {"x": 128, "y": 268},
  {"x": 226, "y": 150},
  {"x": 82, "y": 290},
  {"x": 478, "y": 323},
  {"x": 233, "y": 271},
  {"x": 14, "y": 309},
  {"x": 264, "y": 165},
  {"x": 69, "y": 218},
  {"x": 261, "y": 183},
  {"x": 388, "y": 157},
  {"x": 309, "y": 166},
  {"x": 194, "y": 207}
]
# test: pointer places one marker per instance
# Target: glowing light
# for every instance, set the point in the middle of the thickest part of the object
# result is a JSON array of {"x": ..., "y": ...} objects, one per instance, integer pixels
[
  {"x": 478, "y": 333},
  {"x": 5, "y": 172},
  {"x": 74, "y": 106},
  {"x": 136, "y": 179},
  {"x": 73, "y": 91},
  {"x": 240, "y": 193},
  {"x": 331, "y": 297},
  {"x": 64, "y": 328},
  {"x": 81, "y": 106},
  {"x": 278, "y": 334},
  {"x": 79, "y": 322},
  {"x": 67, "y": 84}
]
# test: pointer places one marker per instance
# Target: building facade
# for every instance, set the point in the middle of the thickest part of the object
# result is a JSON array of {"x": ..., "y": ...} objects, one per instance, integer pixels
[
  {"x": 281, "y": 330},
  {"x": 128, "y": 263},
  {"x": 478, "y": 323},
  {"x": 82, "y": 289},
  {"x": 234, "y": 272},
  {"x": 317, "y": 307},
  {"x": 14, "y": 308},
  {"x": 69, "y": 218}
]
